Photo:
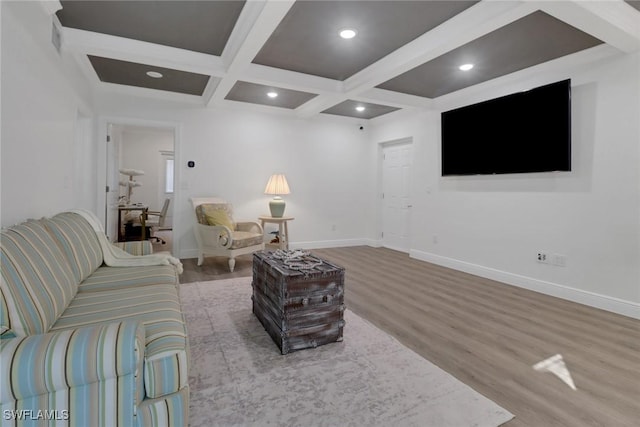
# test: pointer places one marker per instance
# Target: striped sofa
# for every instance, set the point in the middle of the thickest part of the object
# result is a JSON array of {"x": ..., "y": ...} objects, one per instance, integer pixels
[{"x": 84, "y": 344}]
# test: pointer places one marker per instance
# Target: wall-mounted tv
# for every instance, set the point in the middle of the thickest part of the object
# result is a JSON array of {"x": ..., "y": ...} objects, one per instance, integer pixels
[{"x": 518, "y": 133}]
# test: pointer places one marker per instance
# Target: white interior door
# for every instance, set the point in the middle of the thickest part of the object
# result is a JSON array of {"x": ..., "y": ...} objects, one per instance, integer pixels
[
  {"x": 113, "y": 186},
  {"x": 396, "y": 196}
]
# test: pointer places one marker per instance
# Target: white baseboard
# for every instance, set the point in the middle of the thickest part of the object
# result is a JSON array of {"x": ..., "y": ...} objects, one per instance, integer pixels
[
  {"x": 323, "y": 244},
  {"x": 615, "y": 305},
  {"x": 318, "y": 244}
]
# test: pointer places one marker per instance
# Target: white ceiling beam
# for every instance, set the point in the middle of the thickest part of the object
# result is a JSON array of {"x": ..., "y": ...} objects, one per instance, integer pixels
[
  {"x": 212, "y": 84},
  {"x": 50, "y": 6},
  {"x": 97, "y": 44},
  {"x": 87, "y": 69},
  {"x": 393, "y": 99},
  {"x": 614, "y": 22},
  {"x": 463, "y": 28},
  {"x": 258, "y": 24},
  {"x": 246, "y": 106},
  {"x": 286, "y": 79},
  {"x": 472, "y": 23},
  {"x": 319, "y": 104},
  {"x": 247, "y": 19},
  {"x": 143, "y": 92}
]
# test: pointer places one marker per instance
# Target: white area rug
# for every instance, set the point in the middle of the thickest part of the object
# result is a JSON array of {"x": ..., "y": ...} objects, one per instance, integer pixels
[{"x": 239, "y": 378}]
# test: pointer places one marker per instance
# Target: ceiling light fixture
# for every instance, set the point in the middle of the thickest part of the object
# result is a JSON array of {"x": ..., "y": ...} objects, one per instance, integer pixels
[
  {"x": 348, "y": 33},
  {"x": 154, "y": 74},
  {"x": 360, "y": 108},
  {"x": 272, "y": 94},
  {"x": 466, "y": 67}
]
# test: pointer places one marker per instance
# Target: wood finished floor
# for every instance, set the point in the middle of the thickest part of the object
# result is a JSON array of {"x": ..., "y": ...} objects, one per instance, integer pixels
[{"x": 489, "y": 335}]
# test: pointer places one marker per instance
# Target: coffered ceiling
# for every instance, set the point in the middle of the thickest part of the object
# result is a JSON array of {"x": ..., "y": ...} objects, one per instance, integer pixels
[{"x": 405, "y": 54}]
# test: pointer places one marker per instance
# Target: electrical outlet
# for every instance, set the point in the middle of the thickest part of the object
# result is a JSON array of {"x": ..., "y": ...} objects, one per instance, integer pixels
[{"x": 542, "y": 257}]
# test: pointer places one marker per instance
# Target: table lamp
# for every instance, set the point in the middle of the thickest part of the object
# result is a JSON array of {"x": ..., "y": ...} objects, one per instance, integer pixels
[{"x": 277, "y": 186}]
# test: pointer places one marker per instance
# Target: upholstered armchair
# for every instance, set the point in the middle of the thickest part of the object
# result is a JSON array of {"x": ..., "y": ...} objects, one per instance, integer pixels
[{"x": 217, "y": 234}]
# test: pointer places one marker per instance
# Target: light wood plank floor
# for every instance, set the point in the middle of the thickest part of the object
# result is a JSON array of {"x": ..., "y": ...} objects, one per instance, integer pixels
[{"x": 489, "y": 335}]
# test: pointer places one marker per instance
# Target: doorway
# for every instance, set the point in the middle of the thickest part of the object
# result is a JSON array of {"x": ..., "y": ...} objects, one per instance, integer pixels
[
  {"x": 140, "y": 171},
  {"x": 395, "y": 206}
]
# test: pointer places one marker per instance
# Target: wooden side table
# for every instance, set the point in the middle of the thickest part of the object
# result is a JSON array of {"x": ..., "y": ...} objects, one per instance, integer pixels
[{"x": 283, "y": 230}]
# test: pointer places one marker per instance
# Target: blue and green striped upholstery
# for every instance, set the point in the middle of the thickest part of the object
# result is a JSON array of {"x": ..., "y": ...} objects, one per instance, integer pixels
[
  {"x": 106, "y": 278},
  {"x": 171, "y": 411},
  {"x": 37, "y": 282},
  {"x": 78, "y": 242},
  {"x": 4, "y": 317},
  {"x": 104, "y": 346},
  {"x": 89, "y": 374},
  {"x": 158, "y": 309}
]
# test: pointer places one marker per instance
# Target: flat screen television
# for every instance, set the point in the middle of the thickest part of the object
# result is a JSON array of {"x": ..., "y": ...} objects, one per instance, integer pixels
[{"x": 518, "y": 133}]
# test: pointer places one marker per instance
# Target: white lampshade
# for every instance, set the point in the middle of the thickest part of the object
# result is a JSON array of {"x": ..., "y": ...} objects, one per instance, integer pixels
[{"x": 277, "y": 185}]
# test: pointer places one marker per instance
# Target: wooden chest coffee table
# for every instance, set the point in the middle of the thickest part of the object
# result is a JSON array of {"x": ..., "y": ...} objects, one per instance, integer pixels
[{"x": 299, "y": 308}]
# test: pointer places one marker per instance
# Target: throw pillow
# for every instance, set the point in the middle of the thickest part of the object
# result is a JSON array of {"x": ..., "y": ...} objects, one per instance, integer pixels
[{"x": 219, "y": 217}]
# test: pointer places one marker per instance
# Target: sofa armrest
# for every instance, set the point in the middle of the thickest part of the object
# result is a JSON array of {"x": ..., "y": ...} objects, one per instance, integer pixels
[
  {"x": 41, "y": 365},
  {"x": 136, "y": 247},
  {"x": 250, "y": 226}
]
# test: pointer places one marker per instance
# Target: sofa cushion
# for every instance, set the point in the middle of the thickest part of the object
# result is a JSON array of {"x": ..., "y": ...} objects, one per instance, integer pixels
[
  {"x": 37, "y": 281},
  {"x": 78, "y": 241},
  {"x": 106, "y": 278},
  {"x": 158, "y": 308}
]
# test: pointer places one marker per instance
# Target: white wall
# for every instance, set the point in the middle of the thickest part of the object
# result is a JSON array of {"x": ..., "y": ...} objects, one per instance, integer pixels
[
  {"x": 326, "y": 161},
  {"x": 494, "y": 225},
  {"x": 42, "y": 153}
]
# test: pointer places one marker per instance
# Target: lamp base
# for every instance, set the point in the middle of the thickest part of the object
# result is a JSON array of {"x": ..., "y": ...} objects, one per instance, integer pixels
[{"x": 276, "y": 206}]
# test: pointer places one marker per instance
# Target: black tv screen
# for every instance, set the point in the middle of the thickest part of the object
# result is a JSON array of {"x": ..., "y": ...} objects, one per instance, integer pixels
[{"x": 518, "y": 133}]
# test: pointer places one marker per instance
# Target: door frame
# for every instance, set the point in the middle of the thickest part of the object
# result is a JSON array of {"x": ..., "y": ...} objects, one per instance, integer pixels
[
  {"x": 101, "y": 167},
  {"x": 380, "y": 186}
]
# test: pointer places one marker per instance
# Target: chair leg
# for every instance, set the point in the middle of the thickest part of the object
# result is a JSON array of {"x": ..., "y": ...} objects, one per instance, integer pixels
[
  {"x": 232, "y": 264},
  {"x": 200, "y": 259}
]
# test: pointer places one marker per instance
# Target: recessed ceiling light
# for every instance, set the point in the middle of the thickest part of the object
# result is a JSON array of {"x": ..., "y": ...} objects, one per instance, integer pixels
[
  {"x": 348, "y": 33},
  {"x": 360, "y": 108},
  {"x": 466, "y": 67},
  {"x": 154, "y": 74},
  {"x": 272, "y": 94}
]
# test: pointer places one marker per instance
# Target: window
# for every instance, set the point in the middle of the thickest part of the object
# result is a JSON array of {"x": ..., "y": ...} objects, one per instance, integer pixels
[{"x": 168, "y": 175}]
